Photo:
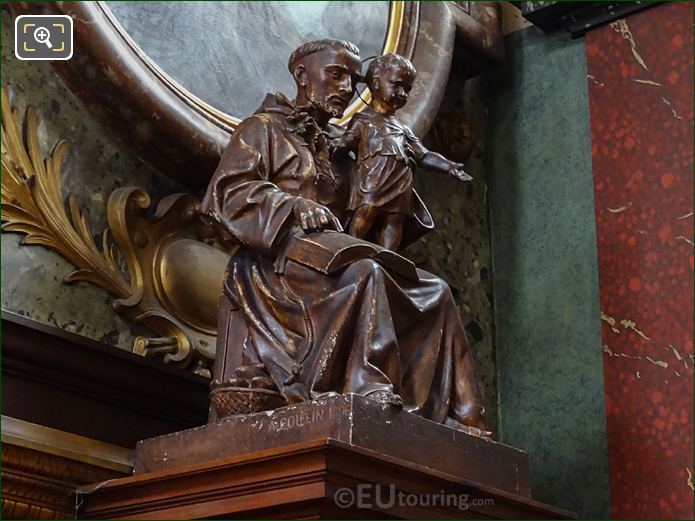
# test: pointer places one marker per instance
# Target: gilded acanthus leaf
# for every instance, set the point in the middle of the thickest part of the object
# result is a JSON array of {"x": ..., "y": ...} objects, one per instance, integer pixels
[
  {"x": 153, "y": 293},
  {"x": 32, "y": 204}
]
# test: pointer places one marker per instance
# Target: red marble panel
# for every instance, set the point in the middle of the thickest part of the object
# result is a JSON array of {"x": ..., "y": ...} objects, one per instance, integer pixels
[{"x": 641, "y": 98}]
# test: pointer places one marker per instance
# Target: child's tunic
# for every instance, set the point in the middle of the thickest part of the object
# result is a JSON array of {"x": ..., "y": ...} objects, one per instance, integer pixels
[{"x": 387, "y": 152}]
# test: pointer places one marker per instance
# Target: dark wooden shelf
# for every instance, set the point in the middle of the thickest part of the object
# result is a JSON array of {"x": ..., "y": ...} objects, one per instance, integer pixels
[
  {"x": 68, "y": 382},
  {"x": 307, "y": 481}
]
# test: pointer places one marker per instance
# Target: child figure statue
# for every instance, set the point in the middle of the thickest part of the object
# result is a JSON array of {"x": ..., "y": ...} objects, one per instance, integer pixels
[{"x": 387, "y": 151}]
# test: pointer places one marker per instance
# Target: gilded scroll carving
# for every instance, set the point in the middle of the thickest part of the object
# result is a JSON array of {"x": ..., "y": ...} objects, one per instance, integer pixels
[
  {"x": 32, "y": 204},
  {"x": 143, "y": 261}
]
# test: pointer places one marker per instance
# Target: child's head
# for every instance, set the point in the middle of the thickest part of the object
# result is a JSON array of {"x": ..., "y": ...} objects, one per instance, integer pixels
[{"x": 390, "y": 78}]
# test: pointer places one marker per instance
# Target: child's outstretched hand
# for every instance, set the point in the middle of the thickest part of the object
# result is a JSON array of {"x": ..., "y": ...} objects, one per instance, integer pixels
[{"x": 457, "y": 172}]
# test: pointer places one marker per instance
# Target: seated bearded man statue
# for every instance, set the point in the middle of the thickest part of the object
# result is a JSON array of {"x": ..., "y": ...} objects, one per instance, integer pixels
[{"x": 289, "y": 324}]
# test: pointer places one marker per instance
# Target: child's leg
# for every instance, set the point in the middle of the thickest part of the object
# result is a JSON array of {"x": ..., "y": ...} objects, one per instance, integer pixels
[
  {"x": 362, "y": 221},
  {"x": 391, "y": 231}
]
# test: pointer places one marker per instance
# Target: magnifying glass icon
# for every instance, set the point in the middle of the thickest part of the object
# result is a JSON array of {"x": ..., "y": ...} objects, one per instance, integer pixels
[{"x": 43, "y": 35}]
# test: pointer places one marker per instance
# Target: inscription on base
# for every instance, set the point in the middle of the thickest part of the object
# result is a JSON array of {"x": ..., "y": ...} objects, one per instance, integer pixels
[{"x": 299, "y": 420}]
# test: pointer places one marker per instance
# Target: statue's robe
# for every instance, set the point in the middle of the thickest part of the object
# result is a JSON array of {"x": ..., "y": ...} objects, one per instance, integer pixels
[{"x": 360, "y": 330}]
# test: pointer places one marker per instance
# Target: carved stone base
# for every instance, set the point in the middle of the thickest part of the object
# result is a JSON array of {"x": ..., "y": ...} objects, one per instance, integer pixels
[
  {"x": 354, "y": 420},
  {"x": 340, "y": 457}
]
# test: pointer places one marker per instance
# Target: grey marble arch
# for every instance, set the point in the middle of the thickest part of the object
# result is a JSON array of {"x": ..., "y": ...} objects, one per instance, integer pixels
[{"x": 231, "y": 54}]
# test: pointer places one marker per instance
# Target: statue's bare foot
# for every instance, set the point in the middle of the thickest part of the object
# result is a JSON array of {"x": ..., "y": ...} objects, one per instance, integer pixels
[
  {"x": 237, "y": 382},
  {"x": 327, "y": 394},
  {"x": 385, "y": 397},
  {"x": 469, "y": 429},
  {"x": 263, "y": 382},
  {"x": 295, "y": 393},
  {"x": 251, "y": 371}
]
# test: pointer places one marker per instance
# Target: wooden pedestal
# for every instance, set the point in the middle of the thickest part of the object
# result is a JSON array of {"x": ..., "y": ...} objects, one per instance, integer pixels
[{"x": 340, "y": 458}]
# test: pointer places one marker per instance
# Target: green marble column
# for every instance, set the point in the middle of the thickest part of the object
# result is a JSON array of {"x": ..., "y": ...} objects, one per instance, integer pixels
[{"x": 545, "y": 278}]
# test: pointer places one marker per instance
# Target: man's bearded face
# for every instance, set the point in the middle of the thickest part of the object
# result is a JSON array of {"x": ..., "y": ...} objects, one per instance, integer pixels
[{"x": 331, "y": 78}]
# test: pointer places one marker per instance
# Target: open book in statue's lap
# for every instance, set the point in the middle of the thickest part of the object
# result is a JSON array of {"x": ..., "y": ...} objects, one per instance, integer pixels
[{"x": 308, "y": 310}]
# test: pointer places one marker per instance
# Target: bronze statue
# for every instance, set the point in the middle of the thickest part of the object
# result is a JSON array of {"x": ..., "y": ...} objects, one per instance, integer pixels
[
  {"x": 308, "y": 310},
  {"x": 381, "y": 191}
]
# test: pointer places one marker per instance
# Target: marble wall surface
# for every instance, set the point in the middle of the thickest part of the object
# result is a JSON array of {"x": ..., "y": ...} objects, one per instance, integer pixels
[
  {"x": 641, "y": 93},
  {"x": 230, "y": 54},
  {"x": 32, "y": 276},
  {"x": 545, "y": 277},
  {"x": 458, "y": 250}
]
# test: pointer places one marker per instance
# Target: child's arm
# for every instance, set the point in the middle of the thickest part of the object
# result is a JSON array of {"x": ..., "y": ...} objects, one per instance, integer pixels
[
  {"x": 349, "y": 141},
  {"x": 435, "y": 162},
  {"x": 438, "y": 163}
]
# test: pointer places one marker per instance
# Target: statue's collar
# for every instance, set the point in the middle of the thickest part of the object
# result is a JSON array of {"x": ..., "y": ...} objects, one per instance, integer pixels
[
  {"x": 302, "y": 124},
  {"x": 297, "y": 119},
  {"x": 277, "y": 103}
]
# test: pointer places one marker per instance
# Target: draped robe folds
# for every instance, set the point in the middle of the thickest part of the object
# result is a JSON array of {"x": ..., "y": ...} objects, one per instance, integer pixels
[{"x": 360, "y": 330}]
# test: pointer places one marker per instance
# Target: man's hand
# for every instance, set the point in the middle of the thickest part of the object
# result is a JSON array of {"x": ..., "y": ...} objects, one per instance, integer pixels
[
  {"x": 457, "y": 172},
  {"x": 313, "y": 216}
]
